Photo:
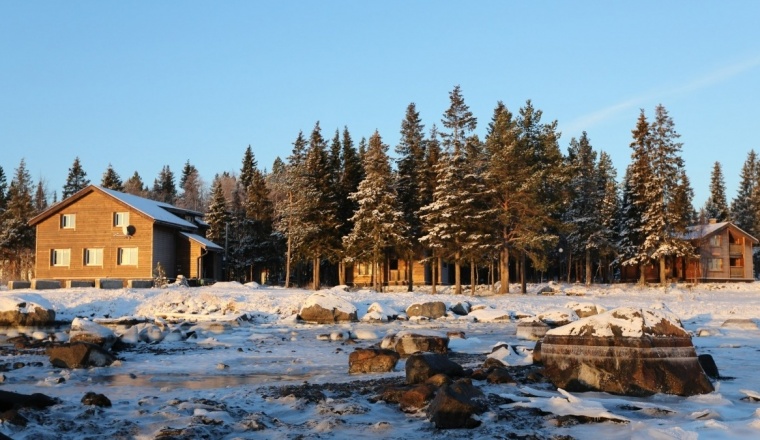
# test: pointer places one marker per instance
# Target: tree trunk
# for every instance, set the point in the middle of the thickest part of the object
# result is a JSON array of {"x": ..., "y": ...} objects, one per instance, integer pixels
[
  {"x": 315, "y": 272},
  {"x": 410, "y": 273},
  {"x": 663, "y": 275},
  {"x": 287, "y": 264},
  {"x": 523, "y": 282},
  {"x": 473, "y": 275},
  {"x": 642, "y": 274},
  {"x": 434, "y": 275},
  {"x": 342, "y": 272},
  {"x": 504, "y": 270},
  {"x": 457, "y": 274},
  {"x": 588, "y": 267},
  {"x": 569, "y": 264}
]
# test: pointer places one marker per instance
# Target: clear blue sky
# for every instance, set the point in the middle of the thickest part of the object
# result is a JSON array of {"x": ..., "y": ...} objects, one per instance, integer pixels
[{"x": 143, "y": 84}]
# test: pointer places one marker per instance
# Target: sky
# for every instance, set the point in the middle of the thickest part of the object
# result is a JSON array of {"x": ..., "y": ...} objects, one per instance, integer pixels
[{"x": 145, "y": 84}]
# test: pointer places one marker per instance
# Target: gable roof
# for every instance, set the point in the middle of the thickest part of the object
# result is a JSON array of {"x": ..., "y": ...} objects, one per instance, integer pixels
[
  {"x": 205, "y": 242},
  {"x": 697, "y": 232},
  {"x": 157, "y": 211}
]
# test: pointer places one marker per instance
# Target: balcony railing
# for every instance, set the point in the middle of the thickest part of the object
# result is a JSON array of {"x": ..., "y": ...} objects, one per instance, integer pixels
[
  {"x": 735, "y": 249},
  {"x": 737, "y": 272}
]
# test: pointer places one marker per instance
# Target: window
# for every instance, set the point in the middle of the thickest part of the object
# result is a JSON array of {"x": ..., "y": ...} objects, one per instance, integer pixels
[
  {"x": 715, "y": 264},
  {"x": 93, "y": 257},
  {"x": 68, "y": 221},
  {"x": 365, "y": 269},
  {"x": 715, "y": 241},
  {"x": 60, "y": 257},
  {"x": 127, "y": 257},
  {"x": 120, "y": 218}
]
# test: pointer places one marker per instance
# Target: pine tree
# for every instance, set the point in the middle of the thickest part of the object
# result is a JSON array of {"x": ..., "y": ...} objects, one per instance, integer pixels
[
  {"x": 111, "y": 180},
  {"x": 409, "y": 180},
  {"x": 638, "y": 176},
  {"x": 716, "y": 206},
  {"x": 134, "y": 185},
  {"x": 191, "y": 184},
  {"x": 164, "y": 189},
  {"x": 743, "y": 211},
  {"x": 608, "y": 237},
  {"x": 248, "y": 168},
  {"x": 76, "y": 180},
  {"x": 17, "y": 237},
  {"x": 289, "y": 212},
  {"x": 3, "y": 190},
  {"x": 682, "y": 203},
  {"x": 218, "y": 215},
  {"x": 351, "y": 174},
  {"x": 379, "y": 222},
  {"x": 40, "y": 197}
]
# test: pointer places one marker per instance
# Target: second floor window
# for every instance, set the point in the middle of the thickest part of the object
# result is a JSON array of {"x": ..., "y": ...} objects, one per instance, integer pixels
[
  {"x": 120, "y": 218},
  {"x": 68, "y": 221}
]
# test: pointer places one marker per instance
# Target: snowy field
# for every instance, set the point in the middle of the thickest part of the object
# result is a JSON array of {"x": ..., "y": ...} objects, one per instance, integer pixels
[{"x": 251, "y": 368}]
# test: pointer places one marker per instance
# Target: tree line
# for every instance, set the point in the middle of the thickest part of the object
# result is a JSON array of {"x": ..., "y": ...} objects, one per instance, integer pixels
[{"x": 510, "y": 206}]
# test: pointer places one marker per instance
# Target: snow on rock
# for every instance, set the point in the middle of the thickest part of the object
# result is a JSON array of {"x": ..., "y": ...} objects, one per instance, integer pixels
[
  {"x": 377, "y": 312},
  {"x": 509, "y": 355},
  {"x": 570, "y": 405},
  {"x": 84, "y": 330},
  {"x": 490, "y": 315},
  {"x": 585, "y": 309},
  {"x": 325, "y": 307},
  {"x": 28, "y": 309},
  {"x": 623, "y": 321},
  {"x": 557, "y": 317}
]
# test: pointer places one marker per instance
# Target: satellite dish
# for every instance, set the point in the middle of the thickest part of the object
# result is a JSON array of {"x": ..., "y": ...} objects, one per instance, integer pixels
[{"x": 129, "y": 230}]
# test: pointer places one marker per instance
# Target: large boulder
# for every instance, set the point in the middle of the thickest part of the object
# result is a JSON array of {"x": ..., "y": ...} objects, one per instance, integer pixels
[
  {"x": 431, "y": 310},
  {"x": 27, "y": 310},
  {"x": 325, "y": 307},
  {"x": 79, "y": 355},
  {"x": 422, "y": 366},
  {"x": 372, "y": 360},
  {"x": 455, "y": 404},
  {"x": 407, "y": 343},
  {"x": 84, "y": 330},
  {"x": 531, "y": 329},
  {"x": 627, "y": 351}
]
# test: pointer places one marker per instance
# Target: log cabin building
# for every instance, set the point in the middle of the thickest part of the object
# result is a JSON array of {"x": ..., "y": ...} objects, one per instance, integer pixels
[
  {"x": 722, "y": 252},
  {"x": 99, "y": 233}
]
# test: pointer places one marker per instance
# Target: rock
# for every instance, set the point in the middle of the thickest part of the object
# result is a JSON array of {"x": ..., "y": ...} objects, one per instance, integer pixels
[
  {"x": 739, "y": 323},
  {"x": 438, "y": 380},
  {"x": 95, "y": 399},
  {"x": 461, "y": 308},
  {"x": 490, "y": 363},
  {"x": 79, "y": 355},
  {"x": 372, "y": 360},
  {"x": 416, "y": 397},
  {"x": 584, "y": 310},
  {"x": 432, "y": 310},
  {"x": 10, "y": 400},
  {"x": 422, "y": 366},
  {"x": 377, "y": 312},
  {"x": 500, "y": 375},
  {"x": 12, "y": 417},
  {"x": 326, "y": 308},
  {"x": 407, "y": 343},
  {"x": 455, "y": 404},
  {"x": 545, "y": 290},
  {"x": 531, "y": 329},
  {"x": 557, "y": 317},
  {"x": 26, "y": 313},
  {"x": 628, "y": 351},
  {"x": 84, "y": 330},
  {"x": 707, "y": 363},
  {"x": 537, "y": 353}
]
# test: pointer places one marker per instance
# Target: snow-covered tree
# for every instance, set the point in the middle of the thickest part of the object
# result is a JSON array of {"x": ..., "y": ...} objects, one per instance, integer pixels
[
  {"x": 76, "y": 179},
  {"x": 218, "y": 216},
  {"x": 717, "y": 206},
  {"x": 378, "y": 224},
  {"x": 193, "y": 196},
  {"x": 164, "y": 186},
  {"x": 134, "y": 185},
  {"x": 743, "y": 210},
  {"x": 16, "y": 235}
]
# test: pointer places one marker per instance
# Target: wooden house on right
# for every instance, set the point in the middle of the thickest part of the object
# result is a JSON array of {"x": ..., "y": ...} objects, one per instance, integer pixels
[{"x": 722, "y": 252}]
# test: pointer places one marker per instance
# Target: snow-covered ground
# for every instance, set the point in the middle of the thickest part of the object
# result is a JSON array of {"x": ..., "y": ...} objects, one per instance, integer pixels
[{"x": 233, "y": 379}]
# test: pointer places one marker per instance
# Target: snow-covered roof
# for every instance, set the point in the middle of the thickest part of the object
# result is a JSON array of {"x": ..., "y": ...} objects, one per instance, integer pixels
[
  {"x": 208, "y": 244},
  {"x": 697, "y": 232},
  {"x": 158, "y": 211}
]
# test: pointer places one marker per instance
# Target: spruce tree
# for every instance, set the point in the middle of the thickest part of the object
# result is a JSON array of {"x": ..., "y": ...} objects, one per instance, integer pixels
[
  {"x": 164, "y": 188},
  {"x": 111, "y": 180},
  {"x": 351, "y": 174},
  {"x": 743, "y": 211},
  {"x": 40, "y": 197},
  {"x": 3, "y": 190},
  {"x": 716, "y": 206},
  {"x": 134, "y": 185},
  {"x": 191, "y": 184},
  {"x": 288, "y": 213},
  {"x": 409, "y": 180},
  {"x": 76, "y": 180},
  {"x": 217, "y": 216},
  {"x": 379, "y": 223},
  {"x": 17, "y": 237},
  {"x": 248, "y": 168}
]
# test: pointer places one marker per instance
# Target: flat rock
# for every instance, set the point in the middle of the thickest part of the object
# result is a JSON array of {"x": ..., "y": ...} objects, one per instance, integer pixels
[
  {"x": 325, "y": 307},
  {"x": 431, "y": 310},
  {"x": 422, "y": 366},
  {"x": 372, "y": 360}
]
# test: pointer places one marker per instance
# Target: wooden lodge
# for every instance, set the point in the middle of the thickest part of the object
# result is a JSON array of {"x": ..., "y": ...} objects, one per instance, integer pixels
[
  {"x": 99, "y": 233},
  {"x": 722, "y": 252}
]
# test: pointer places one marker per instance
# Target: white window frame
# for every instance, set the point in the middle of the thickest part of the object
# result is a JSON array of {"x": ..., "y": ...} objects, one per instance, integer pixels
[
  {"x": 68, "y": 221},
  {"x": 715, "y": 264},
  {"x": 93, "y": 257},
  {"x": 127, "y": 256},
  {"x": 120, "y": 219},
  {"x": 715, "y": 240},
  {"x": 60, "y": 257}
]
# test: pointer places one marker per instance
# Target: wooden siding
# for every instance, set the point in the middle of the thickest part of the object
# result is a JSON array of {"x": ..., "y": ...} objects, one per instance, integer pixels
[{"x": 94, "y": 229}]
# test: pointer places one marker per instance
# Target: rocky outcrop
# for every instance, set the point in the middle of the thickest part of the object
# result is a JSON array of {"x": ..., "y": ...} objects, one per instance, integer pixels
[
  {"x": 531, "y": 329},
  {"x": 84, "y": 330},
  {"x": 327, "y": 308},
  {"x": 455, "y": 404},
  {"x": 422, "y": 366},
  {"x": 79, "y": 355},
  {"x": 408, "y": 343},
  {"x": 18, "y": 311},
  {"x": 372, "y": 360},
  {"x": 10, "y": 400},
  {"x": 431, "y": 310},
  {"x": 628, "y": 351}
]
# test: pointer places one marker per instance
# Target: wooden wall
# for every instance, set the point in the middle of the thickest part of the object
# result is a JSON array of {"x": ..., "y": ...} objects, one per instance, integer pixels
[{"x": 94, "y": 229}]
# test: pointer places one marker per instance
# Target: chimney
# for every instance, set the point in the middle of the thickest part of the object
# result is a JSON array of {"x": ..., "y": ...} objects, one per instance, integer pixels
[{"x": 713, "y": 221}]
